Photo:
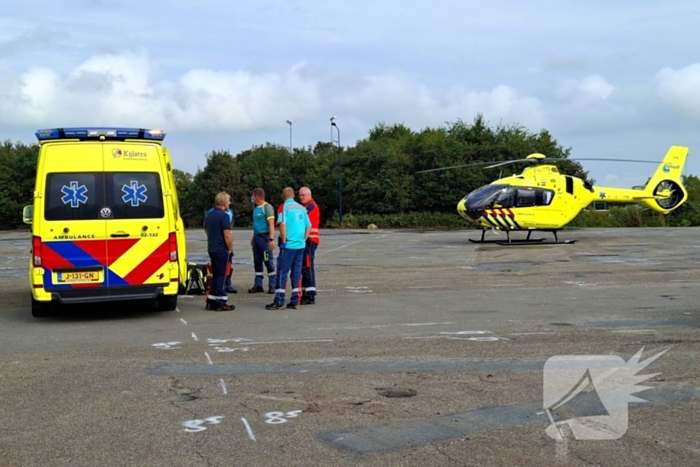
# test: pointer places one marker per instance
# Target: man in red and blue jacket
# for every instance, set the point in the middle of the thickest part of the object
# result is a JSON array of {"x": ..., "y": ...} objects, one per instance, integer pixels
[{"x": 308, "y": 274}]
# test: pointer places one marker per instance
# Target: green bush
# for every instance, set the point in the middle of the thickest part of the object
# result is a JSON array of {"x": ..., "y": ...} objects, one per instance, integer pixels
[{"x": 433, "y": 220}]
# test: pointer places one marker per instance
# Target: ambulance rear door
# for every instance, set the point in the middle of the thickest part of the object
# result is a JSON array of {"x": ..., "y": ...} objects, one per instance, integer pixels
[{"x": 139, "y": 242}]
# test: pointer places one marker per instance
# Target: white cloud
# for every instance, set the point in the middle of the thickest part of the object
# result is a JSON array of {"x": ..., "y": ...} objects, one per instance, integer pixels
[
  {"x": 395, "y": 98},
  {"x": 680, "y": 88},
  {"x": 123, "y": 89},
  {"x": 588, "y": 89}
]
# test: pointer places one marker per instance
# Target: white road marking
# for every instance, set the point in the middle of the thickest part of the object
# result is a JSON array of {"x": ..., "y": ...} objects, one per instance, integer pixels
[
  {"x": 247, "y": 428},
  {"x": 223, "y": 386},
  {"x": 468, "y": 332},
  {"x": 185, "y": 296},
  {"x": 167, "y": 345},
  {"x": 194, "y": 336},
  {"x": 237, "y": 340},
  {"x": 291, "y": 342},
  {"x": 183, "y": 321},
  {"x": 634, "y": 331},
  {"x": 208, "y": 358},
  {"x": 530, "y": 334},
  {"x": 339, "y": 248},
  {"x": 229, "y": 349},
  {"x": 423, "y": 324},
  {"x": 177, "y": 309}
]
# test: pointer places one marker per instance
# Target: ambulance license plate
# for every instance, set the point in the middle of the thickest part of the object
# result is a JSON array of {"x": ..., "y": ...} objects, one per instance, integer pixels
[{"x": 82, "y": 276}]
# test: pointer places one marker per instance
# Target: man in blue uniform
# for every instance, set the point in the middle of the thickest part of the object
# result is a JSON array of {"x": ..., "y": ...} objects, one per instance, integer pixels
[
  {"x": 295, "y": 228},
  {"x": 263, "y": 242},
  {"x": 219, "y": 247},
  {"x": 228, "y": 286}
]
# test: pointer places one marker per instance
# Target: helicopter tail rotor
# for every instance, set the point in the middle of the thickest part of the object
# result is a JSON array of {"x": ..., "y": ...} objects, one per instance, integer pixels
[
  {"x": 665, "y": 188},
  {"x": 672, "y": 194}
]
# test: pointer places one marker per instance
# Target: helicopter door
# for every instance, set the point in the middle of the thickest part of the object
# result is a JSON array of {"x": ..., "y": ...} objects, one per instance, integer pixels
[{"x": 569, "y": 185}]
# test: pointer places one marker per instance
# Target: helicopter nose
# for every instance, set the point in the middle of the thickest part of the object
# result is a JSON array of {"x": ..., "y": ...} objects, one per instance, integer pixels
[{"x": 469, "y": 214}]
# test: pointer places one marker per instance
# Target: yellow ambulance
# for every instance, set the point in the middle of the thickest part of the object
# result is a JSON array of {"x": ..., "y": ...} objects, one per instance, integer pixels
[{"x": 106, "y": 223}]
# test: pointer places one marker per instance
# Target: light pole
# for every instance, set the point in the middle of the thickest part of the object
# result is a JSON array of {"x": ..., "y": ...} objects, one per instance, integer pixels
[
  {"x": 290, "y": 136},
  {"x": 340, "y": 173}
]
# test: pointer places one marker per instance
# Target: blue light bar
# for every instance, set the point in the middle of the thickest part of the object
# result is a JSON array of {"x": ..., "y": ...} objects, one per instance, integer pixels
[{"x": 99, "y": 134}]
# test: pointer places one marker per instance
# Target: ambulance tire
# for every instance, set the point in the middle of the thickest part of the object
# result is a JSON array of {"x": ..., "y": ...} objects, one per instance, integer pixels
[
  {"x": 167, "y": 302},
  {"x": 40, "y": 309}
]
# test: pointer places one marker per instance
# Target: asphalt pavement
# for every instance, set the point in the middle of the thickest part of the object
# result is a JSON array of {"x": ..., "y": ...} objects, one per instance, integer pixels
[{"x": 423, "y": 349}]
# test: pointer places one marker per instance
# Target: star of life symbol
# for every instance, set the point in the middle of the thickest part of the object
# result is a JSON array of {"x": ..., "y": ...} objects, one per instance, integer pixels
[
  {"x": 588, "y": 394},
  {"x": 74, "y": 194},
  {"x": 134, "y": 193}
]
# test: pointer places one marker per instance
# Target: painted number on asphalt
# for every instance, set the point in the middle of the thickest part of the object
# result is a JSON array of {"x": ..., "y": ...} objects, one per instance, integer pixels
[
  {"x": 276, "y": 418},
  {"x": 194, "y": 426}
]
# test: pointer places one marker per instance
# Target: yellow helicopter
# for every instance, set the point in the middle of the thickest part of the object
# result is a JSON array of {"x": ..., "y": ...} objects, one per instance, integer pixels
[{"x": 542, "y": 199}]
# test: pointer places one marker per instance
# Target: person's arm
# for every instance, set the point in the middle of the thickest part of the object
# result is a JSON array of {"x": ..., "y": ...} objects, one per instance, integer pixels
[
  {"x": 229, "y": 240},
  {"x": 283, "y": 232},
  {"x": 283, "y": 227},
  {"x": 307, "y": 223},
  {"x": 270, "y": 214}
]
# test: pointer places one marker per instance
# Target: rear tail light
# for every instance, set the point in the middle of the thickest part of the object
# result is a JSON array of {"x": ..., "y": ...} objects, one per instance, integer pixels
[
  {"x": 172, "y": 241},
  {"x": 36, "y": 251}
]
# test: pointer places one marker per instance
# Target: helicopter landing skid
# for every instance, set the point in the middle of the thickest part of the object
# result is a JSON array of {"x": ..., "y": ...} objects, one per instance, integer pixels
[
  {"x": 533, "y": 242},
  {"x": 526, "y": 241}
]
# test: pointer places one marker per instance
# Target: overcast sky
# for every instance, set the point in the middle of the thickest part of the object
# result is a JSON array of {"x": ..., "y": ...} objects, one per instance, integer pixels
[{"x": 606, "y": 78}]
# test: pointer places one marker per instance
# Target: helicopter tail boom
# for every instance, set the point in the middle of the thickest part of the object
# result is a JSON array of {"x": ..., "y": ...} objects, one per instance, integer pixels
[{"x": 663, "y": 192}]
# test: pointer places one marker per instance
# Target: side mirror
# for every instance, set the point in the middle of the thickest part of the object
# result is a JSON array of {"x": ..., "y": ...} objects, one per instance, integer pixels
[{"x": 28, "y": 214}]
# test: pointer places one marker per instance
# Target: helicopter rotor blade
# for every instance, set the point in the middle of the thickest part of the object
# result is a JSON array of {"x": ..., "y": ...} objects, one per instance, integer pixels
[
  {"x": 455, "y": 167},
  {"x": 517, "y": 161},
  {"x": 535, "y": 161}
]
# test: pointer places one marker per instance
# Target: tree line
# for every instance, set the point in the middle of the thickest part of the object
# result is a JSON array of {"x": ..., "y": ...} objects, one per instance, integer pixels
[{"x": 379, "y": 180}]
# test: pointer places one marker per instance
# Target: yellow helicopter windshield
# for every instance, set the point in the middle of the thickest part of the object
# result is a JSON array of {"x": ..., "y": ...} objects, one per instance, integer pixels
[
  {"x": 486, "y": 196},
  {"x": 507, "y": 196}
]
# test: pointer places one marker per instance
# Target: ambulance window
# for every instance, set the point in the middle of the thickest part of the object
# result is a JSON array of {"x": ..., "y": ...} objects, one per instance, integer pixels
[
  {"x": 73, "y": 196},
  {"x": 135, "y": 195}
]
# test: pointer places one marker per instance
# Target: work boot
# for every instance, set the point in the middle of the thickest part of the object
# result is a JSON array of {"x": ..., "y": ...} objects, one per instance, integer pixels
[
  {"x": 271, "y": 291},
  {"x": 293, "y": 306},
  {"x": 230, "y": 289},
  {"x": 256, "y": 289},
  {"x": 273, "y": 306},
  {"x": 308, "y": 300}
]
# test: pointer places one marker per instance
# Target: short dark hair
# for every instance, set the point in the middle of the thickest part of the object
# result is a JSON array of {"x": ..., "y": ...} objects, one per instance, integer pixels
[{"x": 259, "y": 192}]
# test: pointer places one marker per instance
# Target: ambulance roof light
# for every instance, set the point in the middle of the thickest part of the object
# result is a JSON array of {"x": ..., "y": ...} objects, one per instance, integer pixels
[{"x": 100, "y": 134}]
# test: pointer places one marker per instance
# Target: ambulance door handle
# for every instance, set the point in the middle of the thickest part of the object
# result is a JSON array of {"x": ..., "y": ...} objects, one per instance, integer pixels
[{"x": 119, "y": 234}]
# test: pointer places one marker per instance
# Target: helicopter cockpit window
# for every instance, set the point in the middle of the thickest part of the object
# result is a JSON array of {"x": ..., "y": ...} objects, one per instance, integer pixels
[
  {"x": 543, "y": 197},
  {"x": 526, "y": 198},
  {"x": 506, "y": 198},
  {"x": 485, "y": 196}
]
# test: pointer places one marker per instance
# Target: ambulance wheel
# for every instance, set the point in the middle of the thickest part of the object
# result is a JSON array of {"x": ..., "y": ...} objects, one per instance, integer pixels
[
  {"x": 40, "y": 309},
  {"x": 167, "y": 302}
]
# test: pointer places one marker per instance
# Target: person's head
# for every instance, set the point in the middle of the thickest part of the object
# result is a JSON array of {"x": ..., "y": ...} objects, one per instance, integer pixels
[
  {"x": 258, "y": 196},
  {"x": 288, "y": 193},
  {"x": 304, "y": 195},
  {"x": 222, "y": 200}
]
